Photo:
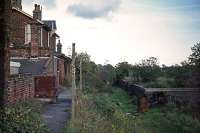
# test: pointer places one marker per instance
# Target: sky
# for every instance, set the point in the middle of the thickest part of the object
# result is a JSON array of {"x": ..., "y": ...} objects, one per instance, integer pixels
[{"x": 113, "y": 31}]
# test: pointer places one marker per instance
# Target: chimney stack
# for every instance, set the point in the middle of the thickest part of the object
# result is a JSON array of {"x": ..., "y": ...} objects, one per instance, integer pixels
[
  {"x": 37, "y": 12},
  {"x": 59, "y": 47},
  {"x": 17, "y": 4}
]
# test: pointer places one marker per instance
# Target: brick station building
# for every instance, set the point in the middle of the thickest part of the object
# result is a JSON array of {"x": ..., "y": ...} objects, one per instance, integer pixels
[{"x": 34, "y": 55}]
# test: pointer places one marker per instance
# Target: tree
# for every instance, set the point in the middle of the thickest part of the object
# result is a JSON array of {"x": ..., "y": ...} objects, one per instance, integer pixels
[
  {"x": 136, "y": 73},
  {"x": 149, "y": 69},
  {"x": 195, "y": 56},
  {"x": 90, "y": 76},
  {"x": 107, "y": 73},
  {"x": 195, "y": 61},
  {"x": 87, "y": 64},
  {"x": 123, "y": 70},
  {"x": 150, "y": 62}
]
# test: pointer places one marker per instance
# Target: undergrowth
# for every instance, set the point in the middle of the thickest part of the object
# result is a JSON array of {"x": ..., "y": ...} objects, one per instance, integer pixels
[
  {"x": 23, "y": 117},
  {"x": 115, "y": 113}
]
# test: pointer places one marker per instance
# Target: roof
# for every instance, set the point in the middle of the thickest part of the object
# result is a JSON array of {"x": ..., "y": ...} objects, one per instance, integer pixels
[
  {"x": 51, "y": 24},
  {"x": 26, "y": 14},
  {"x": 63, "y": 56},
  {"x": 31, "y": 66}
]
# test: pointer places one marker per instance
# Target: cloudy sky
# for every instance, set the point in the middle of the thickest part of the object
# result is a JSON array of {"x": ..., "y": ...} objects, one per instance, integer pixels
[{"x": 125, "y": 30}]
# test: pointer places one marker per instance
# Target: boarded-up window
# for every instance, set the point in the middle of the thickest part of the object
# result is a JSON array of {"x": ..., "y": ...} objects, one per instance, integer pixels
[{"x": 27, "y": 33}]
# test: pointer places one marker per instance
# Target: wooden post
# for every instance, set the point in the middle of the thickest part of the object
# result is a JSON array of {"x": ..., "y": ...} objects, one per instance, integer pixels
[
  {"x": 73, "y": 81},
  {"x": 81, "y": 82},
  {"x": 5, "y": 12}
]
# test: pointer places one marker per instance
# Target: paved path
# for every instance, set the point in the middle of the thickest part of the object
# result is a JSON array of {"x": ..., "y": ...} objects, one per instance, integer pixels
[{"x": 57, "y": 114}]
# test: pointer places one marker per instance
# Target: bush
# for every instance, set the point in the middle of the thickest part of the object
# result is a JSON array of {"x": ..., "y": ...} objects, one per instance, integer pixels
[{"x": 23, "y": 117}]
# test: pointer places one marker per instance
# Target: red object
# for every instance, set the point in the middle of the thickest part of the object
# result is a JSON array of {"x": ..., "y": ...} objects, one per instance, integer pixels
[{"x": 45, "y": 86}]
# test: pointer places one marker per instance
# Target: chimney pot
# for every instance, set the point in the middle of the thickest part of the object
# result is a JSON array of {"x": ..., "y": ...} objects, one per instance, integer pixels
[
  {"x": 59, "y": 47},
  {"x": 17, "y": 3},
  {"x": 37, "y": 12}
]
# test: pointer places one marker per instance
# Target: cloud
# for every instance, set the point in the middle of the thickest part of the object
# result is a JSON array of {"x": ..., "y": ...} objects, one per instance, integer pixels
[
  {"x": 91, "y": 9},
  {"x": 50, "y": 4}
]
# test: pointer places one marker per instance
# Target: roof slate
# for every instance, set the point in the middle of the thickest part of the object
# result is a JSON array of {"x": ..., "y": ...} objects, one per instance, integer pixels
[
  {"x": 51, "y": 24},
  {"x": 31, "y": 66}
]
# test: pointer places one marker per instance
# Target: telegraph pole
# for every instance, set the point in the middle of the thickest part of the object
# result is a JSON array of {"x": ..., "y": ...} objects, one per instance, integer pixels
[
  {"x": 5, "y": 12},
  {"x": 81, "y": 76},
  {"x": 73, "y": 81}
]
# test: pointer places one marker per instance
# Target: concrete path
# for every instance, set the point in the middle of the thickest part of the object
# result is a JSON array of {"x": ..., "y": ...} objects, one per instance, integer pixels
[{"x": 57, "y": 114}]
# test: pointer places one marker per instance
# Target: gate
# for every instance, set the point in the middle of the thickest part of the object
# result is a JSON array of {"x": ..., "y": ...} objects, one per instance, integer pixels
[{"x": 45, "y": 86}]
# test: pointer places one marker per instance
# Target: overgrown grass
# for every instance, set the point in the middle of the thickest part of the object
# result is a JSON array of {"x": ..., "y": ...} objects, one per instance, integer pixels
[
  {"x": 102, "y": 113},
  {"x": 167, "y": 120},
  {"x": 117, "y": 100},
  {"x": 24, "y": 117},
  {"x": 109, "y": 113}
]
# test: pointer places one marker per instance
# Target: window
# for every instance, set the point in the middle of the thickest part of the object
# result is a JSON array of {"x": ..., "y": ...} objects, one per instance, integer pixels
[{"x": 27, "y": 33}]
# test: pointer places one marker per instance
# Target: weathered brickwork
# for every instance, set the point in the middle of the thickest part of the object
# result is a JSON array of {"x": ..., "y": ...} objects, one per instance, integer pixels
[
  {"x": 36, "y": 47},
  {"x": 61, "y": 68},
  {"x": 44, "y": 52},
  {"x": 35, "y": 40},
  {"x": 68, "y": 72},
  {"x": 18, "y": 27},
  {"x": 22, "y": 52},
  {"x": 20, "y": 88},
  {"x": 45, "y": 40},
  {"x": 34, "y": 37},
  {"x": 53, "y": 43}
]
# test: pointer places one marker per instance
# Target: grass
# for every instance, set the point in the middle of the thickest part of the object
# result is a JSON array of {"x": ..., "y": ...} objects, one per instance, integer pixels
[
  {"x": 167, "y": 120},
  {"x": 117, "y": 100},
  {"x": 109, "y": 113}
]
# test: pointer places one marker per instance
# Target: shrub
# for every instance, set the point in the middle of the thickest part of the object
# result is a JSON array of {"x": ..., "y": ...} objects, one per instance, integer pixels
[{"x": 23, "y": 117}]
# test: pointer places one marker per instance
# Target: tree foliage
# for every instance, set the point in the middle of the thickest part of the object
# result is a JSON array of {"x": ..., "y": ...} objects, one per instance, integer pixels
[
  {"x": 195, "y": 56},
  {"x": 147, "y": 72},
  {"x": 123, "y": 69},
  {"x": 149, "y": 69},
  {"x": 94, "y": 76},
  {"x": 195, "y": 61}
]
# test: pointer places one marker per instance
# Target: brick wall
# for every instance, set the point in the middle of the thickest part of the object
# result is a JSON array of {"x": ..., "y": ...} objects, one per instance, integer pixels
[
  {"x": 20, "y": 87},
  {"x": 18, "y": 27},
  {"x": 35, "y": 40},
  {"x": 44, "y": 52},
  {"x": 68, "y": 71},
  {"x": 19, "y": 21},
  {"x": 45, "y": 38},
  {"x": 53, "y": 42},
  {"x": 61, "y": 69},
  {"x": 20, "y": 52}
]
